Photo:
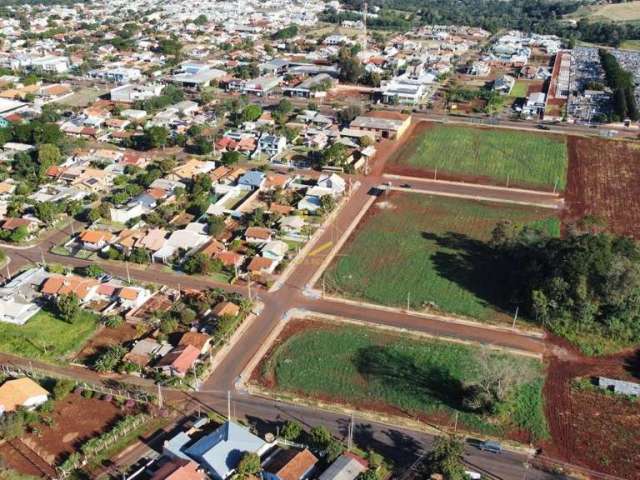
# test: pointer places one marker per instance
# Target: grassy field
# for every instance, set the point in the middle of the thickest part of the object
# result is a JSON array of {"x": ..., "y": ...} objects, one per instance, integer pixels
[
  {"x": 520, "y": 89},
  {"x": 45, "y": 337},
  {"x": 430, "y": 251},
  {"x": 521, "y": 158},
  {"x": 614, "y": 12},
  {"x": 630, "y": 44},
  {"x": 383, "y": 371}
]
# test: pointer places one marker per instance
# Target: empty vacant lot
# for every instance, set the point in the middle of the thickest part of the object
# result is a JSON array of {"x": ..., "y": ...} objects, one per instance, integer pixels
[
  {"x": 483, "y": 155},
  {"x": 383, "y": 371},
  {"x": 430, "y": 252},
  {"x": 604, "y": 181}
]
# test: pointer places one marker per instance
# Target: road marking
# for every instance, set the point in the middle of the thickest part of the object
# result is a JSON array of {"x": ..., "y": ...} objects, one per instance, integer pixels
[{"x": 320, "y": 249}]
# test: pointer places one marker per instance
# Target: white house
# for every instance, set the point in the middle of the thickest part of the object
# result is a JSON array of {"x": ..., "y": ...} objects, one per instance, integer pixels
[{"x": 333, "y": 182}]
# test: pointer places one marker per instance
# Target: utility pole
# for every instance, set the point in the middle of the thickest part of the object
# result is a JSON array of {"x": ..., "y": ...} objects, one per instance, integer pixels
[
  {"x": 515, "y": 317},
  {"x": 126, "y": 266},
  {"x": 229, "y": 405},
  {"x": 408, "y": 300},
  {"x": 455, "y": 425},
  {"x": 324, "y": 290},
  {"x": 44, "y": 263},
  {"x": 249, "y": 289},
  {"x": 366, "y": 7},
  {"x": 159, "y": 396},
  {"x": 350, "y": 433}
]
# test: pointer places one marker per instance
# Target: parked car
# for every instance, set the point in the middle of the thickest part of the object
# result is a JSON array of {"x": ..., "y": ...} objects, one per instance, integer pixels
[
  {"x": 490, "y": 446},
  {"x": 473, "y": 475}
]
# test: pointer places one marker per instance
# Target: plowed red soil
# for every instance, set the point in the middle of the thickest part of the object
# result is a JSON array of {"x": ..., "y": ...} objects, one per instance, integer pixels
[
  {"x": 589, "y": 428},
  {"x": 604, "y": 181},
  {"x": 75, "y": 420}
]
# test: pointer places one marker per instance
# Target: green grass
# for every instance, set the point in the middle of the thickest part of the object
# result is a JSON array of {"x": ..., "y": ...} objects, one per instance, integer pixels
[
  {"x": 46, "y": 337},
  {"x": 430, "y": 251},
  {"x": 630, "y": 44},
  {"x": 520, "y": 89},
  {"x": 521, "y": 158},
  {"x": 377, "y": 370}
]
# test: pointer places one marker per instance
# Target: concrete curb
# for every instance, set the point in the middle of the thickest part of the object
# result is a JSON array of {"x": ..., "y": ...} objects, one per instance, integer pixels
[
  {"x": 340, "y": 243},
  {"x": 222, "y": 353},
  {"x": 439, "y": 318},
  {"x": 474, "y": 185},
  {"x": 475, "y": 197},
  {"x": 389, "y": 420},
  {"x": 248, "y": 369},
  {"x": 415, "y": 333}
]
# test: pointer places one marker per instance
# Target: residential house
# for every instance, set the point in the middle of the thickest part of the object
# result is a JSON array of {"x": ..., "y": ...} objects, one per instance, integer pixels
[
  {"x": 95, "y": 240},
  {"x": 218, "y": 452},
  {"x": 134, "y": 93},
  {"x": 21, "y": 393},
  {"x": 258, "y": 235},
  {"x": 346, "y": 467},
  {"x": 384, "y": 124},
  {"x": 261, "y": 265},
  {"x": 83, "y": 288},
  {"x": 179, "y": 469},
  {"x": 145, "y": 350},
  {"x": 18, "y": 296},
  {"x": 271, "y": 145},
  {"x": 179, "y": 361},
  {"x": 275, "y": 250},
  {"x": 504, "y": 84},
  {"x": 333, "y": 182},
  {"x": 290, "y": 464},
  {"x": 201, "y": 341},
  {"x": 252, "y": 179},
  {"x": 225, "y": 309}
]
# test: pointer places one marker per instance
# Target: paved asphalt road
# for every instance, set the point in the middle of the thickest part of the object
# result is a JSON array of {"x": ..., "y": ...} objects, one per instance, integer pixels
[{"x": 400, "y": 445}]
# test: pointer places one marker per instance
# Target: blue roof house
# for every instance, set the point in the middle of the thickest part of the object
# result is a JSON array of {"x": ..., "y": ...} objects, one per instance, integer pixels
[
  {"x": 220, "y": 451},
  {"x": 252, "y": 178}
]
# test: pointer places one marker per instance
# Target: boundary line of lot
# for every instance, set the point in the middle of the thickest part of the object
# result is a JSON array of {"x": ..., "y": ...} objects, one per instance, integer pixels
[
  {"x": 475, "y": 197},
  {"x": 473, "y": 185},
  {"x": 524, "y": 332},
  {"x": 244, "y": 385}
]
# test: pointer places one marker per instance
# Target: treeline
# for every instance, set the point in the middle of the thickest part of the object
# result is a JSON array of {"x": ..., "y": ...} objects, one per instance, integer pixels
[
  {"x": 385, "y": 20},
  {"x": 540, "y": 16},
  {"x": 621, "y": 83},
  {"x": 584, "y": 287}
]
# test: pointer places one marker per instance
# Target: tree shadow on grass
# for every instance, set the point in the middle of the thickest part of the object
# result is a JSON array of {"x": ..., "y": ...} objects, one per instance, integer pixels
[
  {"x": 472, "y": 264},
  {"x": 400, "y": 370}
]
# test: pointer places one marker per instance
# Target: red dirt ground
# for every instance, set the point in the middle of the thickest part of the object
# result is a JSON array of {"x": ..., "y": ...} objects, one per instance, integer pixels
[
  {"x": 75, "y": 419},
  {"x": 107, "y": 337},
  {"x": 604, "y": 180},
  {"x": 589, "y": 428}
]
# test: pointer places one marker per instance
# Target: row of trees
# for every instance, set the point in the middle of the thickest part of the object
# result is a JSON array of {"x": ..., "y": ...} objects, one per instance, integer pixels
[{"x": 622, "y": 84}]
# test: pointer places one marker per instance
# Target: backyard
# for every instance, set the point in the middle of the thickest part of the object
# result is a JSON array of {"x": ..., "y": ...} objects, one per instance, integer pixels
[
  {"x": 483, "y": 155},
  {"x": 46, "y": 337},
  {"x": 430, "y": 253},
  {"x": 429, "y": 379}
]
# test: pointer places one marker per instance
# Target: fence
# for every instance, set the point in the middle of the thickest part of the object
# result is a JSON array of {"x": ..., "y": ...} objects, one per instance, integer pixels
[{"x": 118, "y": 390}]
